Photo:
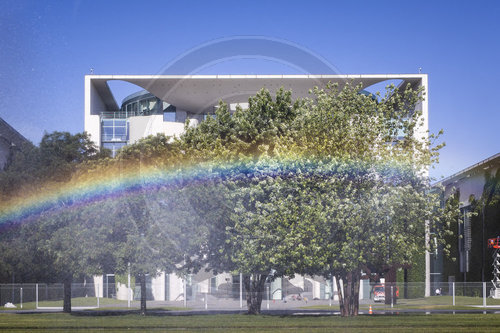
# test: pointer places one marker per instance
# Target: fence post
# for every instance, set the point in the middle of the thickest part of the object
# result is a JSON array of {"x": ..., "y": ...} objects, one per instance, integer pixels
[
  {"x": 333, "y": 288},
  {"x": 241, "y": 291},
  {"x": 331, "y": 293},
  {"x": 129, "y": 296},
  {"x": 185, "y": 292},
  {"x": 484, "y": 294},
  {"x": 98, "y": 293},
  {"x": 392, "y": 296},
  {"x": 128, "y": 287},
  {"x": 36, "y": 295},
  {"x": 453, "y": 285},
  {"x": 267, "y": 297},
  {"x": 21, "y": 294},
  {"x": 206, "y": 301}
]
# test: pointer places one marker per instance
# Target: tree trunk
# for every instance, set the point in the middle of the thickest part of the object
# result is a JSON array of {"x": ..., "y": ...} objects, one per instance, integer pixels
[
  {"x": 142, "y": 279},
  {"x": 349, "y": 293},
  {"x": 390, "y": 286},
  {"x": 254, "y": 287},
  {"x": 406, "y": 283},
  {"x": 67, "y": 294}
]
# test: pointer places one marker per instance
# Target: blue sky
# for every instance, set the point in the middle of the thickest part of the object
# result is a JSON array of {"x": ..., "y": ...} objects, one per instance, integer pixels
[{"x": 46, "y": 48}]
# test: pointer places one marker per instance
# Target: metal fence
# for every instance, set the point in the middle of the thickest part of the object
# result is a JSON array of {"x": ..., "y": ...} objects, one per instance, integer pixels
[{"x": 232, "y": 296}]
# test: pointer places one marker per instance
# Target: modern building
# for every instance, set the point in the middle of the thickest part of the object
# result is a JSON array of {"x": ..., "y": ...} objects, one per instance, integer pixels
[
  {"x": 472, "y": 230},
  {"x": 10, "y": 140},
  {"x": 167, "y": 101},
  {"x": 164, "y": 105}
]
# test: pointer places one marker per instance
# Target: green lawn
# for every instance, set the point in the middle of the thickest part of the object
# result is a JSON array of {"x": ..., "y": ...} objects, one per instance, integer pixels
[
  {"x": 104, "y": 303},
  {"x": 434, "y": 302},
  {"x": 244, "y": 323},
  {"x": 78, "y": 301}
]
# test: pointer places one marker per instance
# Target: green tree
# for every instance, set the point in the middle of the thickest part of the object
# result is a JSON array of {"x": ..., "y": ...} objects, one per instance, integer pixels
[
  {"x": 353, "y": 166},
  {"x": 156, "y": 217},
  {"x": 375, "y": 213},
  {"x": 236, "y": 204},
  {"x": 54, "y": 160},
  {"x": 45, "y": 247}
]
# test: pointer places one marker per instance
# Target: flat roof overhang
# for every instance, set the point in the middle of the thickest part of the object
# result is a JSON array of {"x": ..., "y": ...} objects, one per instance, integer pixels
[{"x": 200, "y": 93}]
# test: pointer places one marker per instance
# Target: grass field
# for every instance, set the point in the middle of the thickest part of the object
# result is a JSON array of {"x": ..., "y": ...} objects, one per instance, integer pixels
[
  {"x": 428, "y": 303},
  {"x": 79, "y": 301},
  {"x": 243, "y": 323},
  {"x": 104, "y": 303}
]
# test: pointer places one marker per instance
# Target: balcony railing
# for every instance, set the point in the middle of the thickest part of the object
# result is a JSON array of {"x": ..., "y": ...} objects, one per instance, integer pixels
[
  {"x": 119, "y": 114},
  {"x": 114, "y": 138},
  {"x": 127, "y": 114}
]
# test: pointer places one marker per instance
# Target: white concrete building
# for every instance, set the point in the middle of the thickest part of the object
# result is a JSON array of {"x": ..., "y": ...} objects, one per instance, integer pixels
[{"x": 164, "y": 106}]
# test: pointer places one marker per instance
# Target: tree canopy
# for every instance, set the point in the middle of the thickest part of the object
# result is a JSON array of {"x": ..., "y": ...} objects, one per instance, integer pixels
[{"x": 334, "y": 185}]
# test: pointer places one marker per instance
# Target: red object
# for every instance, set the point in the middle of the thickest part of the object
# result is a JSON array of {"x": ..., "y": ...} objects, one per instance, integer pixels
[{"x": 494, "y": 243}]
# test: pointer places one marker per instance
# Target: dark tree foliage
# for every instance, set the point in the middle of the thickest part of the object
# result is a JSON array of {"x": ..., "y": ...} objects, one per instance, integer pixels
[{"x": 44, "y": 248}]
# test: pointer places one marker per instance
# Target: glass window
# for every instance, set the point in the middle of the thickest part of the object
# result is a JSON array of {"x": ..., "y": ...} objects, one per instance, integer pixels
[
  {"x": 121, "y": 122},
  {"x": 152, "y": 104},
  {"x": 108, "y": 145},
  {"x": 114, "y": 147},
  {"x": 107, "y": 122},
  {"x": 120, "y": 133},
  {"x": 107, "y": 133},
  {"x": 116, "y": 130},
  {"x": 143, "y": 106},
  {"x": 168, "y": 116}
]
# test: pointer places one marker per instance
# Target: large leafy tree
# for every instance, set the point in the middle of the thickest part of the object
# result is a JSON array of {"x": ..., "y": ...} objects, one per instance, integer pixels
[
  {"x": 236, "y": 203},
  {"x": 316, "y": 186},
  {"x": 377, "y": 200},
  {"x": 50, "y": 246},
  {"x": 155, "y": 214},
  {"x": 55, "y": 159}
]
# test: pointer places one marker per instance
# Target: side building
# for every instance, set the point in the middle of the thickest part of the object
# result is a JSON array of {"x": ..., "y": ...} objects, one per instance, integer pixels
[
  {"x": 475, "y": 191},
  {"x": 164, "y": 105},
  {"x": 10, "y": 141}
]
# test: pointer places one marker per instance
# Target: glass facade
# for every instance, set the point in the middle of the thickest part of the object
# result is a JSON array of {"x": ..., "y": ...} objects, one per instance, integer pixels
[
  {"x": 142, "y": 104},
  {"x": 114, "y": 130},
  {"x": 114, "y": 134},
  {"x": 169, "y": 116},
  {"x": 113, "y": 146},
  {"x": 115, "y": 125}
]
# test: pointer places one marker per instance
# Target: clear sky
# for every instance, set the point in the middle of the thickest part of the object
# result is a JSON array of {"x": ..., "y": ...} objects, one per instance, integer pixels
[{"x": 46, "y": 48}]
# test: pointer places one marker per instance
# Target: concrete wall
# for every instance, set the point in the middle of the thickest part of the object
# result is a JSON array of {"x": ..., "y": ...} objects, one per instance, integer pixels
[
  {"x": 122, "y": 292},
  {"x": 176, "y": 288},
  {"x": 143, "y": 126},
  {"x": 93, "y": 107},
  {"x": 158, "y": 287}
]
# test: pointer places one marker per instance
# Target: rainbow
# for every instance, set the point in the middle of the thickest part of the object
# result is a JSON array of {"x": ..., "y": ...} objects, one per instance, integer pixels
[{"x": 96, "y": 186}]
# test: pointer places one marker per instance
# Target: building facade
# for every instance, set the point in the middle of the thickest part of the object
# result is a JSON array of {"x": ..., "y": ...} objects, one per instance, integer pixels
[
  {"x": 10, "y": 141},
  {"x": 167, "y": 102},
  {"x": 476, "y": 190}
]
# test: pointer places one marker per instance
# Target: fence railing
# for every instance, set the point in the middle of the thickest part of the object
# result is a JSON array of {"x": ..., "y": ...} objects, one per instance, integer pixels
[{"x": 195, "y": 295}]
